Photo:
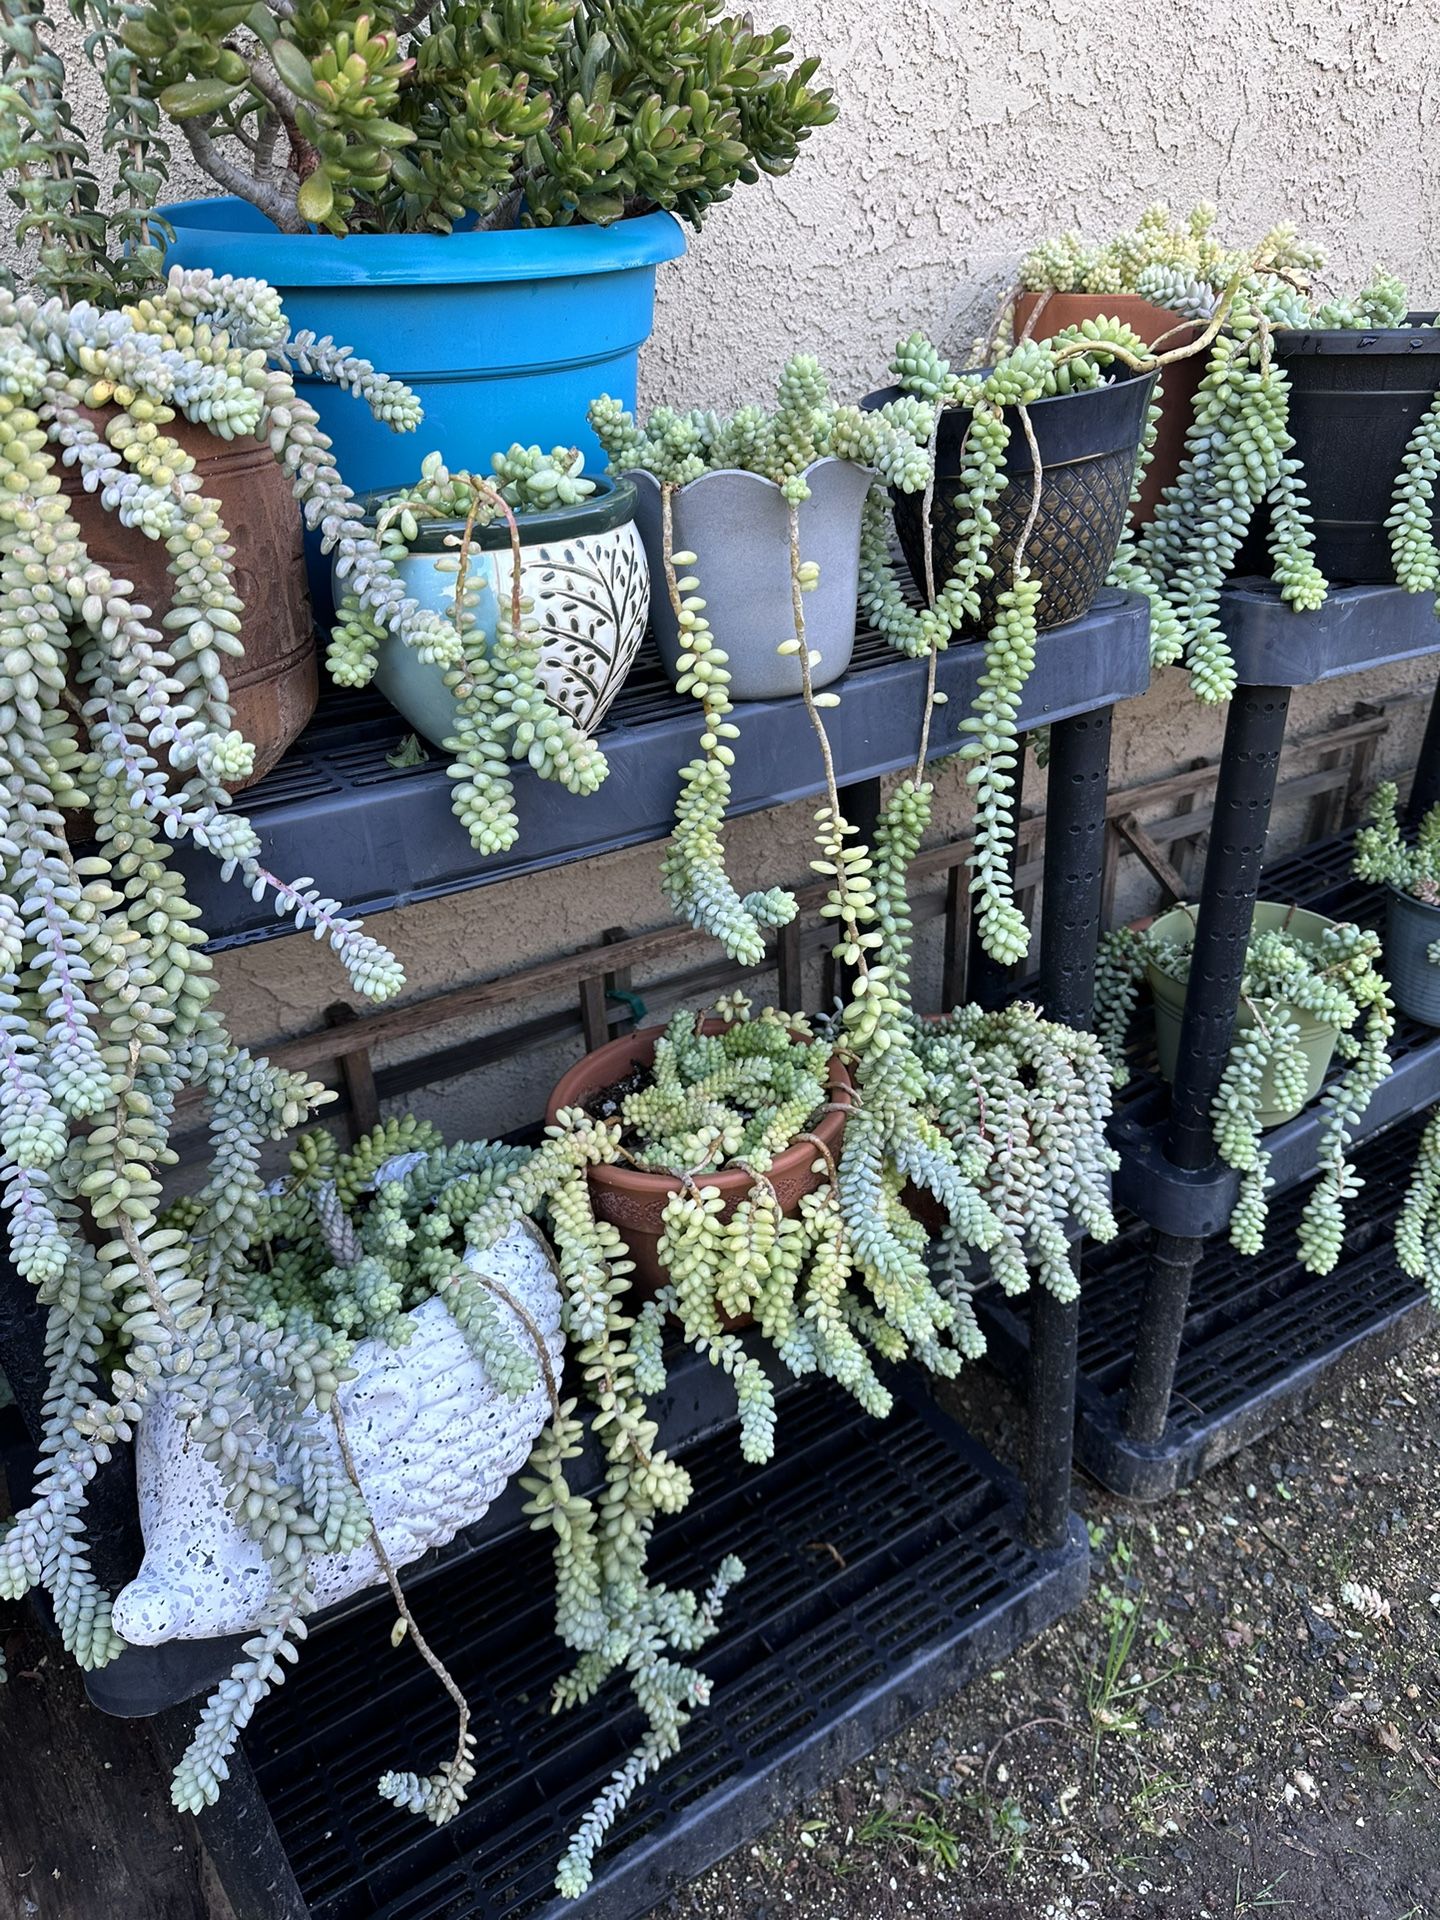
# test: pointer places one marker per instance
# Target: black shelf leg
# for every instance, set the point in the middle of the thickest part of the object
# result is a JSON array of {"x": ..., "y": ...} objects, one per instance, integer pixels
[
  {"x": 1069, "y": 934},
  {"x": 1254, "y": 737},
  {"x": 1425, "y": 790}
]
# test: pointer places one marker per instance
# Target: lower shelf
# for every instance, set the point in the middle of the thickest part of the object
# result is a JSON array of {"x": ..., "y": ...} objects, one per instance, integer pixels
[
  {"x": 1262, "y": 1337},
  {"x": 886, "y": 1568},
  {"x": 1317, "y": 877}
]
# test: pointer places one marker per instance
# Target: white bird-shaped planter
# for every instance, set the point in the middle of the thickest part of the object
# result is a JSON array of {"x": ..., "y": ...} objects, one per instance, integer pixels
[{"x": 434, "y": 1443}]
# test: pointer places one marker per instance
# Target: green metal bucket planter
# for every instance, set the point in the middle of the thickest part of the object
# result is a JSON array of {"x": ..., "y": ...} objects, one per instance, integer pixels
[{"x": 1317, "y": 1040}]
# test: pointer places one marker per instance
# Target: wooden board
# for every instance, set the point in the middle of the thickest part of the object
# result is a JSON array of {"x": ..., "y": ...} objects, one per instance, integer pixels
[{"x": 87, "y": 1831}]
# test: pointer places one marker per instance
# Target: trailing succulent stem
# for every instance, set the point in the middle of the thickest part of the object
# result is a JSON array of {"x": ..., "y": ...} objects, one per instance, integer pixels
[
  {"x": 1074, "y": 360},
  {"x": 675, "y": 448},
  {"x": 339, "y": 1251},
  {"x": 1332, "y": 980},
  {"x": 503, "y": 713},
  {"x": 1239, "y": 451},
  {"x": 106, "y": 1008},
  {"x": 1417, "y": 1229}
]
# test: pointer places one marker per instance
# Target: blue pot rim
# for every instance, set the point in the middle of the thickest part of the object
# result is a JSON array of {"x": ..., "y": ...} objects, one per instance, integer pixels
[{"x": 240, "y": 239}]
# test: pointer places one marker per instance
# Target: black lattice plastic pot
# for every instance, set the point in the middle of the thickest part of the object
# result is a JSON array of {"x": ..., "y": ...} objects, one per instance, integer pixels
[
  {"x": 1088, "y": 444},
  {"x": 1411, "y": 928},
  {"x": 1356, "y": 397},
  {"x": 1317, "y": 1039}
]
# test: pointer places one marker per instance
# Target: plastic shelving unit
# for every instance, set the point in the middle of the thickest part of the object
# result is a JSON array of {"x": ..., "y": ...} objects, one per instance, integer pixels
[
  {"x": 883, "y": 1571},
  {"x": 889, "y": 1562},
  {"x": 376, "y": 836},
  {"x": 1169, "y": 1381}
]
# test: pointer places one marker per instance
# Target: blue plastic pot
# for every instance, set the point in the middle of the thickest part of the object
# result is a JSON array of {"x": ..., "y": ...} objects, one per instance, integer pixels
[{"x": 504, "y": 336}]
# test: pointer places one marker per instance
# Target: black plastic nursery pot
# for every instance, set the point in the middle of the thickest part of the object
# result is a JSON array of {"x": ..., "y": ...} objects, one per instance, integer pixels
[
  {"x": 1356, "y": 397},
  {"x": 1088, "y": 445},
  {"x": 1412, "y": 927}
]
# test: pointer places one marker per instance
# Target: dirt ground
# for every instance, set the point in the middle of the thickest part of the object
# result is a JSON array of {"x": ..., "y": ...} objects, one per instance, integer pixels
[{"x": 1243, "y": 1719}]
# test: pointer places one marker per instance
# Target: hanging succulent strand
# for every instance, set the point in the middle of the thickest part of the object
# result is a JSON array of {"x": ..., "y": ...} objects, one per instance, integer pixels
[{"x": 106, "y": 1011}]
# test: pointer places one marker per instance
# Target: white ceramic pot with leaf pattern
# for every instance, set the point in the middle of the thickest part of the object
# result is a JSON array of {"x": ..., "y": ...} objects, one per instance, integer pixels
[{"x": 584, "y": 569}]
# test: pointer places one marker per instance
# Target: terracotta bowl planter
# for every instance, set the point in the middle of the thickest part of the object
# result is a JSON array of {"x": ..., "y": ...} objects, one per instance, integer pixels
[
  {"x": 1180, "y": 382},
  {"x": 274, "y": 688},
  {"x": 633, "y": 1200}
]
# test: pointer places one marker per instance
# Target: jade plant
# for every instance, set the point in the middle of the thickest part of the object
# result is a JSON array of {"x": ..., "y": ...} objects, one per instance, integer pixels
[
  {"x": 1385, "y": 858},
  {"x": 87, "y": 244},
  {"x": 806, "y": 425},
  {"x": 1333, "y": 980},
  {"x": 388, "y": 118},
  {"x": 503, "y": 713},
  {"x": 107, "y": 1010}
]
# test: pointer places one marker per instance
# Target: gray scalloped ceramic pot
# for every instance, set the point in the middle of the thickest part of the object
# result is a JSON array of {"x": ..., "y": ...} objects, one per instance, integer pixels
[
  {"x": 582, "y": 566},
  {"x": 737, "y": 526}
]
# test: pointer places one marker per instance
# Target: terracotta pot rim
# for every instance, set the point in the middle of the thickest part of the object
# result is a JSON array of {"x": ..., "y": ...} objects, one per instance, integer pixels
[{"x": 587, "y": 1075}]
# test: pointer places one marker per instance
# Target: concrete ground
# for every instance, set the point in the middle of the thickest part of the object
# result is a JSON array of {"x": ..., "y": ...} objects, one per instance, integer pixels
[{"x": 1243, "y": 1719}]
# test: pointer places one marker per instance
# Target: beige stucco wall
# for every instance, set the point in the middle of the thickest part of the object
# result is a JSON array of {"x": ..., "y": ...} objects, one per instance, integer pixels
[{"x": 965, "y": 133}]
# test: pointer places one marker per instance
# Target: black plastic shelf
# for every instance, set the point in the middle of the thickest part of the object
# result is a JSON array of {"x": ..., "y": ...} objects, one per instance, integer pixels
[
  {"x": 1262, "y": 1338},
  {"x": 1318, "y": 877},
  {"x": 885, "y": 1567},
  {"x": 1357, "y": 628},
  {"x": 698, "y": 1403},
  {"x": 376, "y": 836}
]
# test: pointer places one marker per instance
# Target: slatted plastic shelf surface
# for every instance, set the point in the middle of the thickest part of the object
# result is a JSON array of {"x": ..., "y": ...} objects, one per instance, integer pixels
[
  {"x": 1262, "y": 1337},
  {"x": 377, "y": 836},
  {"x": 885, "y": 1569},
  {"x": 698, "y": 1401}
]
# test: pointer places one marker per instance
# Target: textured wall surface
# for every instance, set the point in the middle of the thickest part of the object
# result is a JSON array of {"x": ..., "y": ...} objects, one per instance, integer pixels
[{"x": 965, "y": 133}]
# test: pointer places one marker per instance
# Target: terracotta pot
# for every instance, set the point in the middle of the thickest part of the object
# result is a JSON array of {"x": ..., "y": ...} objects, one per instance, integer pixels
[
  {"x": 633, "y": 1200},
  {"x": 1180, "y": 382},
  {"x": 274, "y": 688}
]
